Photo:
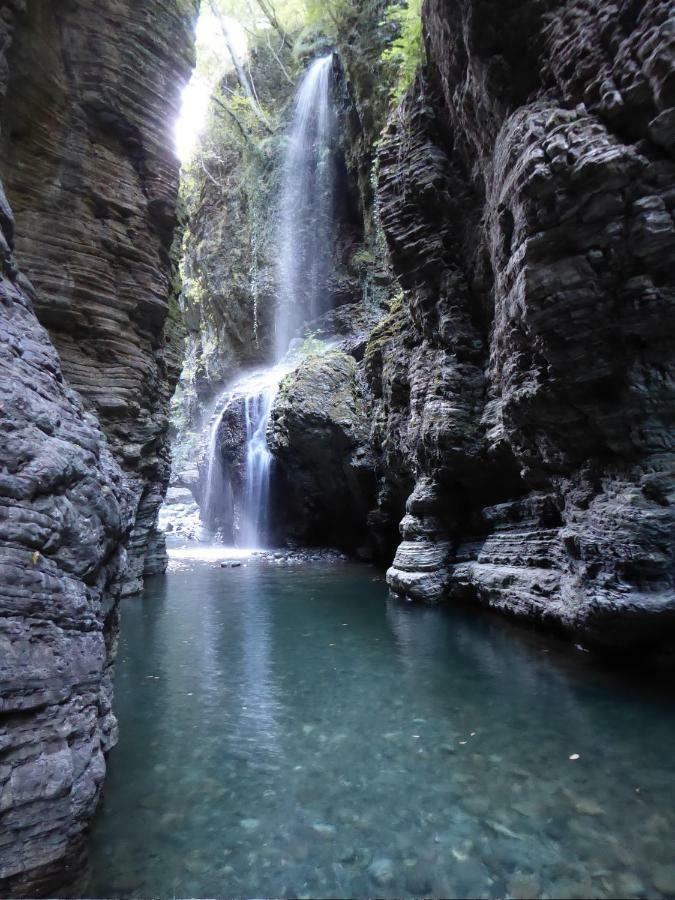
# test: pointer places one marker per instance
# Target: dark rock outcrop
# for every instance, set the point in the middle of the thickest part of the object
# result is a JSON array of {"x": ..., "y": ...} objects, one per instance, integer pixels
[
  {"x": 89, "y": 91},
  {"x": 319, "y": 436},
  {"x": 525, "y": 383}
]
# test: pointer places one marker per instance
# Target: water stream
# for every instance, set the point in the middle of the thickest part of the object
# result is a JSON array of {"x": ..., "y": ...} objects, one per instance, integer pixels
[
  {"x": 305, "y": 258},
  {"x": 289, "y": 732}
]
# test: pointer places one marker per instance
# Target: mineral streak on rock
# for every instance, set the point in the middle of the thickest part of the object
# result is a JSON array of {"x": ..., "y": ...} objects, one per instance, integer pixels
[
  {"x": 526, "y": 187},
  {"x": 89, "y": 92}
]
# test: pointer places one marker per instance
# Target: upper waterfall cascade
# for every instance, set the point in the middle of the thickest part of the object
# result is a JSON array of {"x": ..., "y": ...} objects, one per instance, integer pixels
[
  {"x": 305, "y": 245},
  {"x": 306, "y": 222}
]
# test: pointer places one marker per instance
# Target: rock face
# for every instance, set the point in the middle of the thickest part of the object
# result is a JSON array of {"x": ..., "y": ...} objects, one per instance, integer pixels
[
  {"x": 319, "y": 436},
  {"x": 89, "y": 167},
  {"x": 524, "y": 385},
  {"x": 88, "y": 92}
]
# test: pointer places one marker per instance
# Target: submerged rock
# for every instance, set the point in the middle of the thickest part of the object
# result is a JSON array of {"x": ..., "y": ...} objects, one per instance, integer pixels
[{"x": 382, "y": 871}]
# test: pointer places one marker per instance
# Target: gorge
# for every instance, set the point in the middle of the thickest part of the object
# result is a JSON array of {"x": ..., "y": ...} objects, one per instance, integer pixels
[{"x": 388, "y": 365}]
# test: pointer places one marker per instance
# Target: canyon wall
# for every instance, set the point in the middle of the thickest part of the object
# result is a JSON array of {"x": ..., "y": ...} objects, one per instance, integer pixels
[
  {"x": 525, "y": 386},
  {"x": 89, "y": 354},
  {"x": 89, "y": 166},
  {"x": 517, "y": 246}
]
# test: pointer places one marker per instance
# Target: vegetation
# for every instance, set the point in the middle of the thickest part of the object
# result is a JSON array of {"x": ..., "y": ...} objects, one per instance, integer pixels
[
  {"x": 251, "y": 54},
  {"x": 406, "y": 53}
]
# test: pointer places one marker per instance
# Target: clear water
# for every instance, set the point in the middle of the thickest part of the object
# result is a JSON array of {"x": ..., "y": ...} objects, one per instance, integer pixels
[{"x": 292, "y": 732}]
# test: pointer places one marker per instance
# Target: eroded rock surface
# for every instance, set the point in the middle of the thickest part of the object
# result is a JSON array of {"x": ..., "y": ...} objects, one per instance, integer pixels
[
  {"x": 319, "y": 436},
  {"x": 89, "y": 93},
  {"x": 527, "y": 194},
  {"x": 90, "y": 169},
  {"x": 65, "y": 512}
]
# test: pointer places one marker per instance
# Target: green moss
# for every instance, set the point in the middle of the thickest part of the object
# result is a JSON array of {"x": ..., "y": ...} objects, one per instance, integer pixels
[{"x": 387, "y": 330}]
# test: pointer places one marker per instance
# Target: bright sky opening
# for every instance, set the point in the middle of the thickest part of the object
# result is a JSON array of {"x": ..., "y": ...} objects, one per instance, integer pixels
[{"x": 213, "y": 60}]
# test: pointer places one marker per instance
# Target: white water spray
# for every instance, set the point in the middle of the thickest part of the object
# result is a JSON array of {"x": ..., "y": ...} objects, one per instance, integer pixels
[{"x": 305, "y": 259}]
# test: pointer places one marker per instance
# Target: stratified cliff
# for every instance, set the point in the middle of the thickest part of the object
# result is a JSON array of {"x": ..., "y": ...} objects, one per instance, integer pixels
[
  {"x": 525, "y": 386},
  {"x": 90, "y": 91},
  {"x": 89, "y": 167}
]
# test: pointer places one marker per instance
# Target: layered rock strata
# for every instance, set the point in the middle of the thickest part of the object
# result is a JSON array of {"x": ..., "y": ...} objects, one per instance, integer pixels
[
  {"x": 527, "y": 187},
  {"x": 89, "y": 91},
  {"x": 89, "y": 166}
]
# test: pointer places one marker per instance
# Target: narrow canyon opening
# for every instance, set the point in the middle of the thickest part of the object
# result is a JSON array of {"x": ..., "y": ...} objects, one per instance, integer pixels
[{"x": 336, "y": 448}]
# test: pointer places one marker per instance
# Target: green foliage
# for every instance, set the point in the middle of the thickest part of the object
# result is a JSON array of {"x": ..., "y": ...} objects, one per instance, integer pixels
[
  {"x": 406, "y": 53},
  {"x": 363, "y": 259},
  {"x": 329, "y": 14}
]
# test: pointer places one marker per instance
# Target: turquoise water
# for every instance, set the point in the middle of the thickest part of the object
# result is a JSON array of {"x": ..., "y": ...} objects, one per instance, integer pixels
[{"x": 292, "y": 732}]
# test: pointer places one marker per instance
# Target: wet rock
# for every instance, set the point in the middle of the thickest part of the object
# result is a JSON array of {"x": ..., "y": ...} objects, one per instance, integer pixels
[
  {"x": 663, "y": 877},
  {"x": 524, "y": 887},
  {"x": 65, "y": 511},
  {"x": 420, "y": 568},
  {"x": 104, "y": 271},
  {"x": 323, "y": 830},
  {"x": 587, "y": 806},
  {"x": 629, "y": 885},
  {"x": 319, "y": 436},
  {"x": 88, "y": 359}
]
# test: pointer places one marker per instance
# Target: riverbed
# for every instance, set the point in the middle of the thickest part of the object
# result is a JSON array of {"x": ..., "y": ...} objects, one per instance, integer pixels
[{"x": 291, "y": 731}]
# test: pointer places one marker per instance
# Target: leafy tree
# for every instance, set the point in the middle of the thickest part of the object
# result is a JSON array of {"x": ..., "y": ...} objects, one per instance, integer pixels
[{"x": 406, "y": 53}]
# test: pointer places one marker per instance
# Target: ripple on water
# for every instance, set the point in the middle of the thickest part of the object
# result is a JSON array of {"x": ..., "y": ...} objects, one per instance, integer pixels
[{"x": 290, "y": 732}]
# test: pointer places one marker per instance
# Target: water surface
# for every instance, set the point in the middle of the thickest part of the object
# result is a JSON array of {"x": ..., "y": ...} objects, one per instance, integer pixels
[{"x": 292, "y": 732}]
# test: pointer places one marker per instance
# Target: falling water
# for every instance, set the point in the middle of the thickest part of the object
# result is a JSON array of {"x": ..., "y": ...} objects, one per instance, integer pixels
[
  {"x": 258, "y": 466},
  {"x": 250, "y": 400},
  {"x": 218, "y": 503},
  {"x": 305, "y": 254},
  {"x": 305, "y": 240}
]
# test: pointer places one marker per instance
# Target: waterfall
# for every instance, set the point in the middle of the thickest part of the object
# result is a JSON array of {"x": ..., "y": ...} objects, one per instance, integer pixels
[
  {"x": 306, "y": 233},
  {"x": 258, "y": 466},
  {"x": 238, "y": 489},
  {"x": 217, "y": 501},
  {"x": 305, "y": 245}
]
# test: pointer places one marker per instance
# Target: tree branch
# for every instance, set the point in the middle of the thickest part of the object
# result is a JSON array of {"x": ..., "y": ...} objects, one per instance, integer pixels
[
  {"x": 239, "y": 69},
  {"x": 270, "y": 14}
]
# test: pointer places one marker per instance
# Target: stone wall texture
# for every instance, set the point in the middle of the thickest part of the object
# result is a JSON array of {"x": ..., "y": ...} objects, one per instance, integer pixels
[
  {"x": 88, "y": 162},
  {"x": 90, "y": 90},
  {"x": 524, "y": 390}
]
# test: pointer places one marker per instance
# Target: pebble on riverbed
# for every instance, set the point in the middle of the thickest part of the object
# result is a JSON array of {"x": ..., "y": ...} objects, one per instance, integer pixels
[{"x": 382, "y": 871}]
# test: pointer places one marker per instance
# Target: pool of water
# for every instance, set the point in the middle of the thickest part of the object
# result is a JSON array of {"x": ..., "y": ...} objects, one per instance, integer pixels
[{"x": 289, "y": 732}]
